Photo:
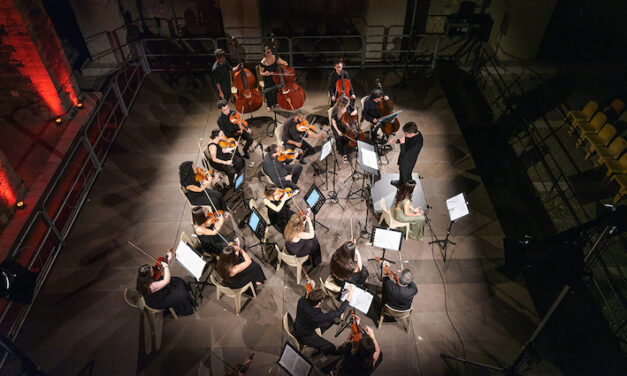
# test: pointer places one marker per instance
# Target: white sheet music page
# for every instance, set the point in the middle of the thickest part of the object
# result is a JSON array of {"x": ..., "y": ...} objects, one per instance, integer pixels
[
  {"x": 360, "y": 300},
  {"x": 190, "y": 260},
  {"x": 457, "y": 207},
  {"x": 369, "y": 157},
  {"x": 293, "y": 362}
]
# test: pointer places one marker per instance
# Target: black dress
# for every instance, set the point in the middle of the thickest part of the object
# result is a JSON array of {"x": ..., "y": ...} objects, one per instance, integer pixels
[
  {"x": 306, "y": 247},
  {"x": 408, "y": 156},
  {"x": 340, "y": 142},
  {"x": 358, "y": 278},
  {"x": 173, "y": 295},
  {"x": 229, "y": 170},
  {"x": 279, "y": 219},
  {"x": 213, "y": 243},
  {"x": 200, "y": 198},
  {"x": 269, "y": 82},
  {"x": 252, "y": 273}
]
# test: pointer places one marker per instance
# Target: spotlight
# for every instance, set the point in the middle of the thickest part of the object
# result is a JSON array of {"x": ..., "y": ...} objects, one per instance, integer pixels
[
  {"x": 20, "y": 204},
  {"x": 79, "y": 105},
  {"x": 58, "y": 120}
]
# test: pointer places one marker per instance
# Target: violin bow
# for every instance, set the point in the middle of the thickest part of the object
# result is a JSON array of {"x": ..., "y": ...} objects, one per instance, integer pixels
[{"x": 141, "y": 250}]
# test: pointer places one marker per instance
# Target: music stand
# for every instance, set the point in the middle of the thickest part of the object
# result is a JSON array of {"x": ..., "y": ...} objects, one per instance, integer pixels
[
  {"x": 457, "y": 209},
  {"x": 293, "y": 362},
  {"x": 238, "y": 188},
  {"x": 315, "y": 199},
  {"x": 386, "y": 239},
  {"x": 195, "y": 265},
  {"x": 327, "y": 148},
  {"x": 258, "y": 226}
]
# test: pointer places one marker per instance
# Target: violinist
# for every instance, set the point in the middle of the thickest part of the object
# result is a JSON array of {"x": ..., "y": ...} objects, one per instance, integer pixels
[
  {"x": 360, "y": 357},
  {"x": 299, "y": 242},
  {"x": 221, "y": 75},
  {"x": 279, "y": 211},
  {"x": 309, "y": 316},
  {"x": 370, "y": 111},
  {"x": 281, "y": 174},
  {"x": 199, "y": 191},
  {"x": 223, "y": 155},
  {"x": 399, "y": 295},
  {"x": 337, "y": 74},
  {"x": 292, "y": 137},
  {"x": 231, "y": 129},
  {"x": 269, "y": 64},
  {"x": 339, "y": 109},
  {"x": 411, "y": 144},
  {"x": 207, "y": 227},
  {"x": 165, "y": 292},
  {"x": 346, "y": 265},
  {"x": 237, "y": 268}
]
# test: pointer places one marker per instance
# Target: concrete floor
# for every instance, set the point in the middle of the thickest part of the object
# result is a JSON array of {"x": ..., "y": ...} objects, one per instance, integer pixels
[{"x": 81, "y": 322}]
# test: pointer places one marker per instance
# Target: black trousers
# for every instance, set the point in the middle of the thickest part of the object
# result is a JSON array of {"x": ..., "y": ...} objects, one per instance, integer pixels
[
  {"x": 295, "y": 171},
  {"x": 246, "y": 137},
  {"x": 315, "y": 341},
  {"x": 230, "y": 170},
  {"x": 307, "y": 149},
  {"x": 405, "y": 168}
]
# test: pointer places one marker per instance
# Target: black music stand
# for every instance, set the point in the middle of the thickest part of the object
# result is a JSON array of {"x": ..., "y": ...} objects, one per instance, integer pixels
[
  {"x": 258, "y": 226},
  {"x": 369, "y": 163},
  {"x": 315, "y": 199},
  {"x": 328, "y": 148},
  {"x": 386, "y": 239},
  {"x": 457, "y": 209},
  {"x": 238, "y": 188}
]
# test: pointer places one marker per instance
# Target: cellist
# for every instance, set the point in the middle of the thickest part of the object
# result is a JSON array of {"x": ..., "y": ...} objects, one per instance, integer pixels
[
  {"x": 231, "y": 129},
  {"x": 370, "y": 111},
  {"x": 221, "y": 75},
  {"x": 340, "y": 74},
  {"x": 339, "y": 109}
]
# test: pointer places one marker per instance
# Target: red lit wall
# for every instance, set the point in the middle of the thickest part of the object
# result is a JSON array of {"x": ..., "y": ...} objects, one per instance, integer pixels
[{"x": 11, "y": 190}]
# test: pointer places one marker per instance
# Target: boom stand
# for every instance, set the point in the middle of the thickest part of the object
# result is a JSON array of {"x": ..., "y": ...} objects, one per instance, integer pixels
[
  {"x": 355, "y": 174},
  {"x": 364, "y": 233},
  {"x": 274, "y": 123},
  {"x": 443, "y": 243},
  {"x": 332, "y": 195}
]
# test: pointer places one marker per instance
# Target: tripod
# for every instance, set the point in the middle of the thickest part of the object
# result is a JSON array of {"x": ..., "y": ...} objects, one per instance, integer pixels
[
  {"x": 274, "y": 123},
  {"x": 364, "y": 234},
  {"x": 198, "y": 286},
  {"x": 332, "y": 195},
  {"x": 444, "y": 242}
]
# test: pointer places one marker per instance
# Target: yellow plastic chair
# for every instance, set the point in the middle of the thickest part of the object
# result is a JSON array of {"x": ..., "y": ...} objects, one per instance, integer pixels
[
  {"x": 584, "y": 115},
  {"x": 592, "y": 127},
  {"x": 621, "y": 180},
  {"x": 616, "y": 166},
  {"x": 236, "y": 294},
  {"x": 387, "y": 216},
  {"x": 396, "y": 315},
  {"x": 290, "y": 260},
  {"x": 603, "y": 138},
  {"x": 288, "y": 325},
  {"x": 613, "y": 151},
  {"x": 278, "y": 133}
]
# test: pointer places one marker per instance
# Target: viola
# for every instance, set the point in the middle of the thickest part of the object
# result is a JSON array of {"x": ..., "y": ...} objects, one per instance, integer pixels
[
  {"x": 228, "y": 143},
  {"x": 352, "y": 132},
  {"x": 304, "y": 126},
  {"x": 290, "y": 96},
  {"x": 247, "y": 96},
  {"x": 237, "y": 119},
  {"x": 389, "y": 271},
  {"x": 356, "y": 330},
  {"x": 286, "y": 154},
  {"x": 386, "y": 107}
]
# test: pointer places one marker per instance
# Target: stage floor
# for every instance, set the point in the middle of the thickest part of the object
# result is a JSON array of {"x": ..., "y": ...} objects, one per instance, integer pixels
[{"x": 80, "y": 320}]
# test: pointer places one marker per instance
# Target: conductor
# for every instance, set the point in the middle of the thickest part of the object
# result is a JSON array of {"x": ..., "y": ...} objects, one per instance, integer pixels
[{"x": 411, "y": 144}]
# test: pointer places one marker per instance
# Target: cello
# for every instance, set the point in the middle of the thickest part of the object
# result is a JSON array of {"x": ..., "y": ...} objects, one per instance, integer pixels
[
  {"x": 342, "y": 85},
  {"x": 290, "y": 96},
  {"x": 352, "y": 131},
  {"x": 385, "y": 108},
  {"x": 247, "y": 96}
]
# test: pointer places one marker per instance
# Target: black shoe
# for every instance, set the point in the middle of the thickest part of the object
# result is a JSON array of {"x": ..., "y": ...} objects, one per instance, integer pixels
[
  {"x": 246, "y": 155},
  {"x": 302, "y": 161},
  {"x": 396, "y": 183}
]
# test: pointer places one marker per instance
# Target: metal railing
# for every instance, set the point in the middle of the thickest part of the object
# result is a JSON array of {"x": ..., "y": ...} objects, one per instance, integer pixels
[{"x": 45, "y": 233}]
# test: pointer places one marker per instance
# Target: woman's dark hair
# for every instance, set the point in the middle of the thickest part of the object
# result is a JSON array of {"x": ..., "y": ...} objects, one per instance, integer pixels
[
  {"x": 269, "y": 190},
  {"x": 343, "y": 262},
  {"x": 405, "y": 192},
  {"x": 198, "y": 215},
  {"x": 221, "y": 103},
  {"x": 364, "y": 352},
  {"x": 186, "y": 173},
  {"x": 214, "y": 133},
  {"x": 376, "y": 93},
  {"x": 339, "y": 61},
  {"x": 271, "y": 148},
  {"x": 226, "y": 262},
  {"x": 342, "y": 101},
  {"x": 144, "y": 278}
]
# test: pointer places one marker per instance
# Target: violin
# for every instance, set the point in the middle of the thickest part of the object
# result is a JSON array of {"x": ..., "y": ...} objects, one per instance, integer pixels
[
  {"x": 356, "y": 330},
  {"x": 239, "y": 369},
  {"x": 386, "y": 107},
  {"x": 247, "y": 96},
  {"x": 228, "y": 143},
  {"x": 290, "y": 96},
  {"x": 237, "y": 119},
  {"x": 286, "y": 154},
  {"x": 287, "y": 191},
  {"x": 389, "y": 271},
  {"x": 212, "y": 218},
  {"x": 352, "y": 132},
  {"x": 304, "y": 126},
  {"x": 157, "y": 269},
  {"x": 201, "y": 174}
]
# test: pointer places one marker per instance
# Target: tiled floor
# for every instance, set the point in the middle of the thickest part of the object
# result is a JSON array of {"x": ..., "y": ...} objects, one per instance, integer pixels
[{"x": 80, "y": 320}]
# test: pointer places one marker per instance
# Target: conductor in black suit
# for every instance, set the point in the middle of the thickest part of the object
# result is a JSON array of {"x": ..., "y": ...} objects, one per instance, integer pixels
[
  {"x": 399, "y": 295},
  {"x": 411, "y": 144}
]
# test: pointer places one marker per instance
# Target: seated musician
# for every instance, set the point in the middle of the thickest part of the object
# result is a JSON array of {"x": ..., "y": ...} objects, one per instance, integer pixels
[
  {"x": 399, "y": 295},
  {"x": 370, "y": 111},
  {"x": 402, "y": 211},
  {"x": 165, "y": 292},
  {"x": 198, "y": 192},
  {"x": 309, "y": 316},
  {"x": 211, "y": 240},
  {"x": 237, "y": 268},
  {"x": 337, "y": 74},
  {"x": 280, "y": 173},
  {"x": 279, "y": 211},
  {"x": 293, "y": 138},
  {"x": 340, "y": 108},
  {"x": 222, "y": 159},
  {"x": 269, "y": 64},
  {"x": 362, "y": 357},
  {"x": 346, "y": 265},
  {"x": 231, "y": 129},
  {"x": 299, "y": 242}
]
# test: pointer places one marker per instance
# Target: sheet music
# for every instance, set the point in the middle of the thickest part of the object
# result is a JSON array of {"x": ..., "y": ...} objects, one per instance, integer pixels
[
  {"x": 190, "y": 260},
  {"x": 387, "y": 239},
  {"x": 327, "y": 147},
  {"x": 313, "y": 198},
  {"x": 369, "y": 158},
  {"x": 457, "y": 207},
  {"x": 360, "y": 300},
  {"x": 294, "y": 363},
  {"x": 388, "y": 118}
]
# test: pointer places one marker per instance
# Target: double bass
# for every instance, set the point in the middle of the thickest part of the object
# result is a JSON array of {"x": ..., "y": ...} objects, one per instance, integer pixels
[
  {"x": 247, "y": 96},
  {"x": 290, "y": 96},
  {"x": 385, "y": 108}
]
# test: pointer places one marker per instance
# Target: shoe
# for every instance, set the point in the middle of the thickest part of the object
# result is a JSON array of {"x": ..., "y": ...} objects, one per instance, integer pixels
[
  {"x": 396, "y": 183},
  {"x": 246, "y": 155},
  {"x": 302, "y": 161}
]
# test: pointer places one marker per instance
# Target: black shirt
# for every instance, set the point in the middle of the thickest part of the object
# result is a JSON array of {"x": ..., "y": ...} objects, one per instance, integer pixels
[
  {"x": 333, "y": 79},
  {"x": 290, "y": 132},
  {"x": 410, "y": 149},
  {"x": 370, "y": 110},
  {"x": 221, "y": 75},
  {"x": 229, "y": 129},
  {"x": 398, "y": 297},
  {"x": 274, "y": 169},
  {"x": 308, "y": 318}
]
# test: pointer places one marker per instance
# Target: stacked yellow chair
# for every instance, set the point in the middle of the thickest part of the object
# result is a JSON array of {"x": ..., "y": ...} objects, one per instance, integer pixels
[
  {"x": 573, "y": 116},
  {"x": 591, "y": 127},
  {"x": 613, "y": 151}
]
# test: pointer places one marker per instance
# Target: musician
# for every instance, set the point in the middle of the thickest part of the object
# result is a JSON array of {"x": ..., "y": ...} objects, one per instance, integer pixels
[
  {"x": 339, "y": 109},
  {"x": 237, "y": 268},
  {"x": 166, "y": 292},
  {"x": 279, "y": 211},
  {"x": 211, "y": 240},
  {"x": 360, "y": 358},
  {"x": 292, "y": 138},
  {"x": 309, "y": 316},
  {"x": 227, "y": 160},
  {"x": 411, "y": 144},
  {"x": 346, "y": 265},
  {"x": 221, "y": 72},
  {"x": 399, "y": 295},
  {"x": 199, "y": 192},
  {"x": 336, "y": 74},
  {"x": 402, "y": 211},
  {"x": 370, "y": 111},
  {"x": 281, "y": 174},
  {"x": 231, "y": 129},
  {"x": 299, "y": 242},
  {"x": 269, "y": 65}
]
